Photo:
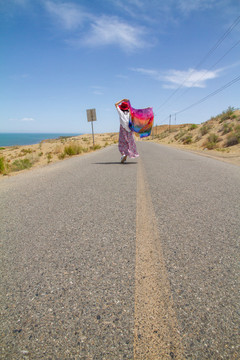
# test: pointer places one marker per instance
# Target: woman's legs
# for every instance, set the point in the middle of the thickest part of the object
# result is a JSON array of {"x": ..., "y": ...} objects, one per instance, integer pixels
[{"x": 126, "y": 145}]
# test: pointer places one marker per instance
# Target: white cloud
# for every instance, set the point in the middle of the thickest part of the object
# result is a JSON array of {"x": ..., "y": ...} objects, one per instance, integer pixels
[
  {"x": 149, "y": 72},
  {"x": 190, "y": 78},
  {"x": 69, "y": 15},
  {"x": 27, "y": 119},
  {"x": 174, "y": 78},
  {"x": 165, "y": 11},
  {"x": 97, "y": 90},
  {"x": 96, "y": 30},
  {"x": 130, "y": 7},
  {"x": 187, "y": 6},
  {"x": 111, "y": 30}
]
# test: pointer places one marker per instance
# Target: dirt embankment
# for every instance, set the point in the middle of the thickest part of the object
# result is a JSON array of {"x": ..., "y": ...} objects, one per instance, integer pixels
[
  {"x": 218, "y": 137},
  {"x": 14, "y": 159}
]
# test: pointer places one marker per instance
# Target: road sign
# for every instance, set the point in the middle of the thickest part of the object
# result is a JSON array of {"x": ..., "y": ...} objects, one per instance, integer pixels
[{"x": 91, "y": 115}]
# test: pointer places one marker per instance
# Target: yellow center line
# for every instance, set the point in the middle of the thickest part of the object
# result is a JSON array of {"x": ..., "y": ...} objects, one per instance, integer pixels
[{"x": 156, "y": 330}]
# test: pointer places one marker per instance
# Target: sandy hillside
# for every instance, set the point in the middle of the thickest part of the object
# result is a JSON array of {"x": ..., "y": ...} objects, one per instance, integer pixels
[
  {"x": 218, "y": 137},
  {"x": 14, "y": 159}
]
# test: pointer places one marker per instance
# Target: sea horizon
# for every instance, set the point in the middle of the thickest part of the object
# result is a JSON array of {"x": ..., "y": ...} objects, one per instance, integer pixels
[{"x": 20, "y": 138}]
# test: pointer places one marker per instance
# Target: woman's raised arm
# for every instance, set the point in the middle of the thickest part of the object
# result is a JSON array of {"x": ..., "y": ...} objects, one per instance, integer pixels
[{"x": 119, "y": 102}]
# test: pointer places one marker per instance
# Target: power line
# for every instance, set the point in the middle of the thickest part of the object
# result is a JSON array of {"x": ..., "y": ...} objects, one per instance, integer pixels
[
  {"x": 234, "y": 24},
  {"x": 205, "y": 72},
  {"x": 204, "y": 99},
  {"x": 163, "y": 121},
  {"x": 227, "y": 52},
  {"x": 210, "y": 95}
]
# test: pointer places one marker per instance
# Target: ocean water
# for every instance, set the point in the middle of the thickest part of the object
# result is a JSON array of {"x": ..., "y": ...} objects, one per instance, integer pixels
[{"x": 12, "y": 139}]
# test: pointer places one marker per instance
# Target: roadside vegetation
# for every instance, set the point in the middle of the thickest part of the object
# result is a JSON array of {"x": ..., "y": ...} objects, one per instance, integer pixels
[
  {"x": 18, "y": 158},
  {"x": 221, "y": 132},
  {"x": 3, "y": 166},
  {"x": 21, "y": 164}
]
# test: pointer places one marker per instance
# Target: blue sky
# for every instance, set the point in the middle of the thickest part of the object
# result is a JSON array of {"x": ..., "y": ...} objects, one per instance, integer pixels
[{"x": 59, "y": 58}]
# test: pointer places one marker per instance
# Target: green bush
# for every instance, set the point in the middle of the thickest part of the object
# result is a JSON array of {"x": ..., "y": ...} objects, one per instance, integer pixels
[
  {"x": 226, "y": 114},
  {"x": 234, "y": 137},
  {"x": 212, "y": 141},
  {"x": 2, "y": 165},
  {"x": 193, "y": 127},
  {"x": 205, "y": 129},
  {"x": 180, "y": 134},
  {"x": 85, "y": 149},
  {"x": 96, "y": 147},
  {"x": 21, "y": 164},
  {"x": 25, "y": 151},
  {"x": 61, "y": 156},
  {"x": 187, "y": 139},
  {"x": 198, "y": 138},
  {"x": 213, "y": 138},
  {"x": 163, "y": 135},
  {"x": 73, "y": 149},
  {"x": 49, "y": 157},
  {"x": 210, "y": 145},
  {"x": 227, "y": 128}
]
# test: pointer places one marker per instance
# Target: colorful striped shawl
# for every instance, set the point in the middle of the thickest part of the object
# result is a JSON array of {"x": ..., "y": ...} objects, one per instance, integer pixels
[{"x": 141, "y": 120}]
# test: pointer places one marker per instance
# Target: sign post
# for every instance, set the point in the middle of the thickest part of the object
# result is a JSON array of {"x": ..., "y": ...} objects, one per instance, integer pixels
[{"x": 91, "y": 116}]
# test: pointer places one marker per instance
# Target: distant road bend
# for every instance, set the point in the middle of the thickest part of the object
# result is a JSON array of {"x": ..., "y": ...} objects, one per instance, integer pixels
[{"x": 102, "y": 260}]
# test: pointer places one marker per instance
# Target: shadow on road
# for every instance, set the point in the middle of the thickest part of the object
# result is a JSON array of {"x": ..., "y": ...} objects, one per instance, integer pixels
[{"x": 114, "y": 163}]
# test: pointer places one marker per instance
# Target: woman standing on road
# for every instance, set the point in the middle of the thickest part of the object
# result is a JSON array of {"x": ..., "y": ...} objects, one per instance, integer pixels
[{"x": 126, "y": 145}]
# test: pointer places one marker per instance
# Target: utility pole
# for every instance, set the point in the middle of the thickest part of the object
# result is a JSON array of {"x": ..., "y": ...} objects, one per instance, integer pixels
[
  {"x": 169, "y": 121},
  {"x": 153, "y": 129},
  {"x": 92, "y": 132}
]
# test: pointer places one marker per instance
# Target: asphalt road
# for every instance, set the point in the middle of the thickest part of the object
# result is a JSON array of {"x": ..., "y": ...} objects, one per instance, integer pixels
[{"x": 102, "y": 260}]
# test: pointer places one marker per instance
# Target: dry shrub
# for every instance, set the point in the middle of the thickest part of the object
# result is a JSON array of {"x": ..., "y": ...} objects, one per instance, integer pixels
[
  {"x": 233, "y": 139},
  {"x": 58, "y": 149},
  {"x": 95, "y": 147},
  {"x": 21, "y": 164},
  {"x": 227, "y": 128},
  {"x": 205, "y": 129},
  {"x": 187, "y": 139}
]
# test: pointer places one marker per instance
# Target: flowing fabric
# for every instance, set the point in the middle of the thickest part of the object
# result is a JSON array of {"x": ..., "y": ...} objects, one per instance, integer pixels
[
  {"x": 141, "y": 120},
  {"x": 126, "y": 143}
]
